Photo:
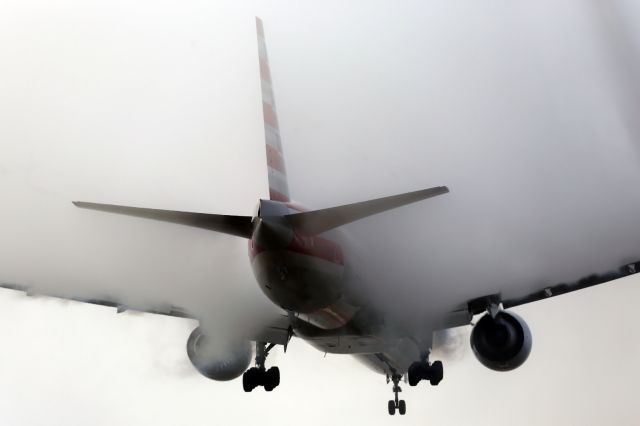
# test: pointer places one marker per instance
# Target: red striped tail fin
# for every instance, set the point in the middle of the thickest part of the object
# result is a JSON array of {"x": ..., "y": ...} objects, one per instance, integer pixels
[{"x": 278, "y": 186}]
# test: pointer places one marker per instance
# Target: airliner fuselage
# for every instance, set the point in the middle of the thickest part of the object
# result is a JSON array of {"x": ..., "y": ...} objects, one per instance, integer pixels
[{"x": 310, "y": 277}]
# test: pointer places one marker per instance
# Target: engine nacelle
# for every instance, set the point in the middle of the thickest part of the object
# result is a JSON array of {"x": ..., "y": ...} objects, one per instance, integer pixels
[
  {"x": 502, "y": 343},
  {"x": 218, "y": 360}
]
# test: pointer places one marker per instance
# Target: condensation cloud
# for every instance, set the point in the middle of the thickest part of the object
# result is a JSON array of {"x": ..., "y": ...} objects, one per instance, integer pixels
[{"x": 526, "y": 111}]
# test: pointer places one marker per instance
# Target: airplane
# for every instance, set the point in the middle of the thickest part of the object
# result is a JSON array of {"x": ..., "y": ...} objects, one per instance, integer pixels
[{"x": 300, "y": 262}]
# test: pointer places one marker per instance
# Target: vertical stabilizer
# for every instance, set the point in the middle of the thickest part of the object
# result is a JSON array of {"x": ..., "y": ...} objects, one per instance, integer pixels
[{"x": 278, "y": 187}]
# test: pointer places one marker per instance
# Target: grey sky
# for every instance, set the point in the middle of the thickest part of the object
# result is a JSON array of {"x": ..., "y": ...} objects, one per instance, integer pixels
[{"x": 526, "y": 110}]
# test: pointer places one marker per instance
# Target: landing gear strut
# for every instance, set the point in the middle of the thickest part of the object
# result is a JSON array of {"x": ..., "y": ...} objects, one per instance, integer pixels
[
  {"x": 397, "y": 404},
  {"x": 424, "y": 370},
  {"x": 258, "y": 375}
]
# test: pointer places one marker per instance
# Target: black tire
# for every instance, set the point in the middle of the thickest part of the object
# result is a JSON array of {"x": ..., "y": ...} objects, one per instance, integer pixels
[
  {"x": 271, "y": 379},
  {"x": 415, "y": 373},
  {"x": 275, "y": 372},
  {"x": 402, "y": 407},
  {"x": 249, "y": 379},
  {"x": 437, "y": 373},
  {"x": 392, "y": 407}
]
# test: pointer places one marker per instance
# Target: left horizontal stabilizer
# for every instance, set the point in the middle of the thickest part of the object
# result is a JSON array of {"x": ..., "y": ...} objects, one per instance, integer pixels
[{"x": 240, "y": 226}]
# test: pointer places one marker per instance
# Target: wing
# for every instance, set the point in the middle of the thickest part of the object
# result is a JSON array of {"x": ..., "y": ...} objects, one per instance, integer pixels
[
  {"x": 111, "y": 302},
  {"x": 277, "y": 331},
  {"x": 463, "y": 314}
]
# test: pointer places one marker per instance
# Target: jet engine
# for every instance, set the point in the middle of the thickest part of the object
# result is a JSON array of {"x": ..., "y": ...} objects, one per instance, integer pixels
[
  {"x": 218, "y": 360},
  {"x": 502, "y": 343}
]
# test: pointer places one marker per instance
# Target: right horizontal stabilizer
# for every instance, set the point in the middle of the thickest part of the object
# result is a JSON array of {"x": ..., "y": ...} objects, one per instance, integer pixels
[
  {"x": 319, "y": 221},
  {"x": 239, "y": 226}
]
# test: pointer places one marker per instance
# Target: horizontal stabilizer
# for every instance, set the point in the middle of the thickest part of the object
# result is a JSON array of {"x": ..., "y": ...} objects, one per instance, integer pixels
[
  {"x": 319, "y": 221},
  {"x": 239, "y": 226}
]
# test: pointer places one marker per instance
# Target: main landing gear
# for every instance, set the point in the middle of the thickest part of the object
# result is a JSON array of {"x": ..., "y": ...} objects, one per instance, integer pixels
[
  {"x": 258, "y": 375},
  {"x": 397, "y": 404},
  {"x": 419, "y": 370},
  {"x": 424, "y": 370}
]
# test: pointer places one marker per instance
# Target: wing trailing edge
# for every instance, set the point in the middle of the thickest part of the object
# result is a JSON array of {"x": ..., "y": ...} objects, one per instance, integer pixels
[
  {"x": 319, "y": 221},
  {"x": 239, "y": 226}
]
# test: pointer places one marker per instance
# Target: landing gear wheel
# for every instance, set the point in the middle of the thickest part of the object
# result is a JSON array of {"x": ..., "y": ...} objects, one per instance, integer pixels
[
  {"x": 258, "y": 375},
  {"x": 250, "y": 379},
  {"x": 395, "y": 403},
  {"x": 436, "y": 373},
  {"x": 415, "y": 373},
  {"x": 271, "y": 379},
  {"x": 422, "y": 370}
]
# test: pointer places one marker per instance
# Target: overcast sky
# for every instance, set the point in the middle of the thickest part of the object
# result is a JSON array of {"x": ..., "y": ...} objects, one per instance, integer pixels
[{"x": 527, "y": 111}]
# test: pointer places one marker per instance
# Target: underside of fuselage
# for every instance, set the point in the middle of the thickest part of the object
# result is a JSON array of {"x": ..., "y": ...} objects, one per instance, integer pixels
[{"x": 307, "y": 276}]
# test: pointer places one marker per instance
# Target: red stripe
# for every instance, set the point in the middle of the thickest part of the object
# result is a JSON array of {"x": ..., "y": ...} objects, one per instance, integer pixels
[
  {"x": 317, "y": 247},
  {"x": 297, "y": 207},
  {"x": 277, "y": 196},
  {"x": 253, "y": 249},
  {"x": 265, "y": 73},
  {"x": 269, "y": 114},
  {"x": 275, "y": 160},
  {"x": 330, "y": 314}
]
